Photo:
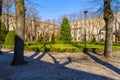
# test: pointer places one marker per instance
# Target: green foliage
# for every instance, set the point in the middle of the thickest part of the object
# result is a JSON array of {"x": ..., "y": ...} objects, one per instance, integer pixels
[
  {"x": 65, "y": 33},
  {"x": 57, "y": 38},
  {"x": 62, "y": 47},
  {"x": 46, "y": 38},
  {"x": 8, "y": 46},
  {"x": 99, "y": 43},
  {"x": 3, "y": 32},
  {"x": 93, "y": 40},
  {"x": 53, "y": 39},
  {"x": 116, "y": 44},
  {"x": 40, "y": 38},
  {"x": 10, "y": 38},
  {"x": 43, "y": 39}
]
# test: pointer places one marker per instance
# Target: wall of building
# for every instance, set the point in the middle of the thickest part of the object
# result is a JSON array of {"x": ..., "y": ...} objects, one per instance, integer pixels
[
  {"x": 33, "y": 28},
  {"x": 94, "y": 28}
]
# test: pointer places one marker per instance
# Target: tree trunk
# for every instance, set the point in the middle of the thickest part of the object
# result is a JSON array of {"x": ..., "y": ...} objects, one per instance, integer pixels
[
  {"x": 7, "y": 19},
  {"x": 19, "y": 38},
  {"x": 108, "y": 17},
  {"x": 0, "y": 21},
  {"x": 118, "y": 38}
]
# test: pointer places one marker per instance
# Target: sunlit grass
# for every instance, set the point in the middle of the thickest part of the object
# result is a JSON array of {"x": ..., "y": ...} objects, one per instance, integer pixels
[{"x": 61, "y": 47}]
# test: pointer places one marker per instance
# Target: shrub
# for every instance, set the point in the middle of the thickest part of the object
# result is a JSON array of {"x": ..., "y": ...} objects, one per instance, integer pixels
[
  {"x": 116, "y": 44},
  {"x": 43, "y": 39},
  {"x": 10, "y": 38},
  {"x": 40, "y": 38},
  {"x": 33, "y": 48},
  {"x": 3, "y": 32},
  {"x": 65, "y": 31},
  {"x": 99, "y": 43},
  {"x": 53, "y": 39},
  {"x": 30, "y": 43},
  {"x": 7, "y": 46}
]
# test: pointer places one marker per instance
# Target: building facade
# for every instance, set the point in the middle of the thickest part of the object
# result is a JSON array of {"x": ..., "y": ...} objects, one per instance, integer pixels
[
  {"x": 33, "y": 27},
  {"x": 94, "y": 28}
]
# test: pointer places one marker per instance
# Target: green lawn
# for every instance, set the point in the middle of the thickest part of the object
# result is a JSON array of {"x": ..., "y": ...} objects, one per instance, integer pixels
[
  {"x": 64, "y": 47},
  {"x": 61, "y": 47}
]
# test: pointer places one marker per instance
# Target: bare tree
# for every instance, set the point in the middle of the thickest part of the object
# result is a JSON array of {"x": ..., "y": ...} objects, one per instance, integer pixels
[
  {"x": 108, "y": 17},
  {"x": 35, "y": 18},
  {"x": 19, "y": 38},
  {"x": 0, "y": 21},
  {"x": 7, "y": 4},
  {"x": 32, "y": 23},
  {"x": 116, "y": 10}
]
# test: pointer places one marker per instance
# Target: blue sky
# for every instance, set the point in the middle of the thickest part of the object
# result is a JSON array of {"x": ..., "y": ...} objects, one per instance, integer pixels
[{"x": 54, "y": 8}]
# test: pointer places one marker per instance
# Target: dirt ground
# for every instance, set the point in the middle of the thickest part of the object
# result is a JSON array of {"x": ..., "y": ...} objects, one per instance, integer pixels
[{"x": 60, "y": 66}]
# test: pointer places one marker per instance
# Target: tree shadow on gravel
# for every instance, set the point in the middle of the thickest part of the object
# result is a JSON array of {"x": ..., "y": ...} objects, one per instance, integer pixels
[
  {"x": 106, "y": 64},
  {"x": 37, "y": 69}
]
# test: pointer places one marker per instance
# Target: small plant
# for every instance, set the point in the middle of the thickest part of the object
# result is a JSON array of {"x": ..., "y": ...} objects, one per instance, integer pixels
[
  {"x": 10, "y": 38},
  {"x": 53, "y": 39},
  {"x": 40, "y": 38}
]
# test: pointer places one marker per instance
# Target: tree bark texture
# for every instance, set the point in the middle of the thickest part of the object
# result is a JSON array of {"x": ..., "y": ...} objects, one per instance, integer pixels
[
  {"x": 19, "y": 38},
  {"x": 108, "y": 17}
]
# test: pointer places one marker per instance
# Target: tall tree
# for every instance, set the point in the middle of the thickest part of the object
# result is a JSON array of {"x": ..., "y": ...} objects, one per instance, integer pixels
[
  {"x": 65, "y": 31},
  {"x": 0, "y": 20},
  {"x": 108, "y": 17},
  {"x": 19, "y": 38}
]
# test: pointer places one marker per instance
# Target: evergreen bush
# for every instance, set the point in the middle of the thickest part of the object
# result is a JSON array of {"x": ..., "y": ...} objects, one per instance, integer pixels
[
  {"x": 10, "y": 38},
  {"x": 65, "y": 32}
]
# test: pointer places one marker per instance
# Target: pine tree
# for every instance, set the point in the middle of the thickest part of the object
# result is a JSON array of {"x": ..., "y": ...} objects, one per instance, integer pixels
[{"x": 65, "y": 33}]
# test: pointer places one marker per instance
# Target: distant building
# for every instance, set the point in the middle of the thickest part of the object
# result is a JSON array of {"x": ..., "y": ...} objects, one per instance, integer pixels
[
  {"x": 33, "y": 28},
  {"x": 95, "y": 28}
]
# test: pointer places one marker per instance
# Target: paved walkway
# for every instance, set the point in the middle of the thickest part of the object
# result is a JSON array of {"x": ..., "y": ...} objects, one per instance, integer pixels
[
  {"x": 60, "y": 66},
  {"x": 4, "y": 74}
]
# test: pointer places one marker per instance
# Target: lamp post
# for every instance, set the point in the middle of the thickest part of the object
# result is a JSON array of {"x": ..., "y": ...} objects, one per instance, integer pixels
[
  {"x": 85, "y": 13},
  {"x": 0, "y": 21}
]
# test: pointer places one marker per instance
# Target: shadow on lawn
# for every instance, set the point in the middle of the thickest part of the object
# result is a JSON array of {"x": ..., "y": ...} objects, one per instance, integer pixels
[
  {"x": 38, "y": 69},
  {"x": 106, "y": 64}
]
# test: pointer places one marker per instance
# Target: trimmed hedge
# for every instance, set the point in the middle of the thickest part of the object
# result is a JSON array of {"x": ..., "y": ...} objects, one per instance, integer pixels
[
  {"x": 8, "y": 46},
  {"x": 64, "y": 47},
  {"x": 74, "y": 47}
]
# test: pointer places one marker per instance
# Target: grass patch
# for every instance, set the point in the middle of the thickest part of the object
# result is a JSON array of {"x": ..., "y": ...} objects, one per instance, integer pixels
[{"x": 61, "y": 47}]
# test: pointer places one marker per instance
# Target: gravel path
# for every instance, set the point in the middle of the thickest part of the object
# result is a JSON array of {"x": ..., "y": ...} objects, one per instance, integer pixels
[{"x": 60, "y": 66}]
